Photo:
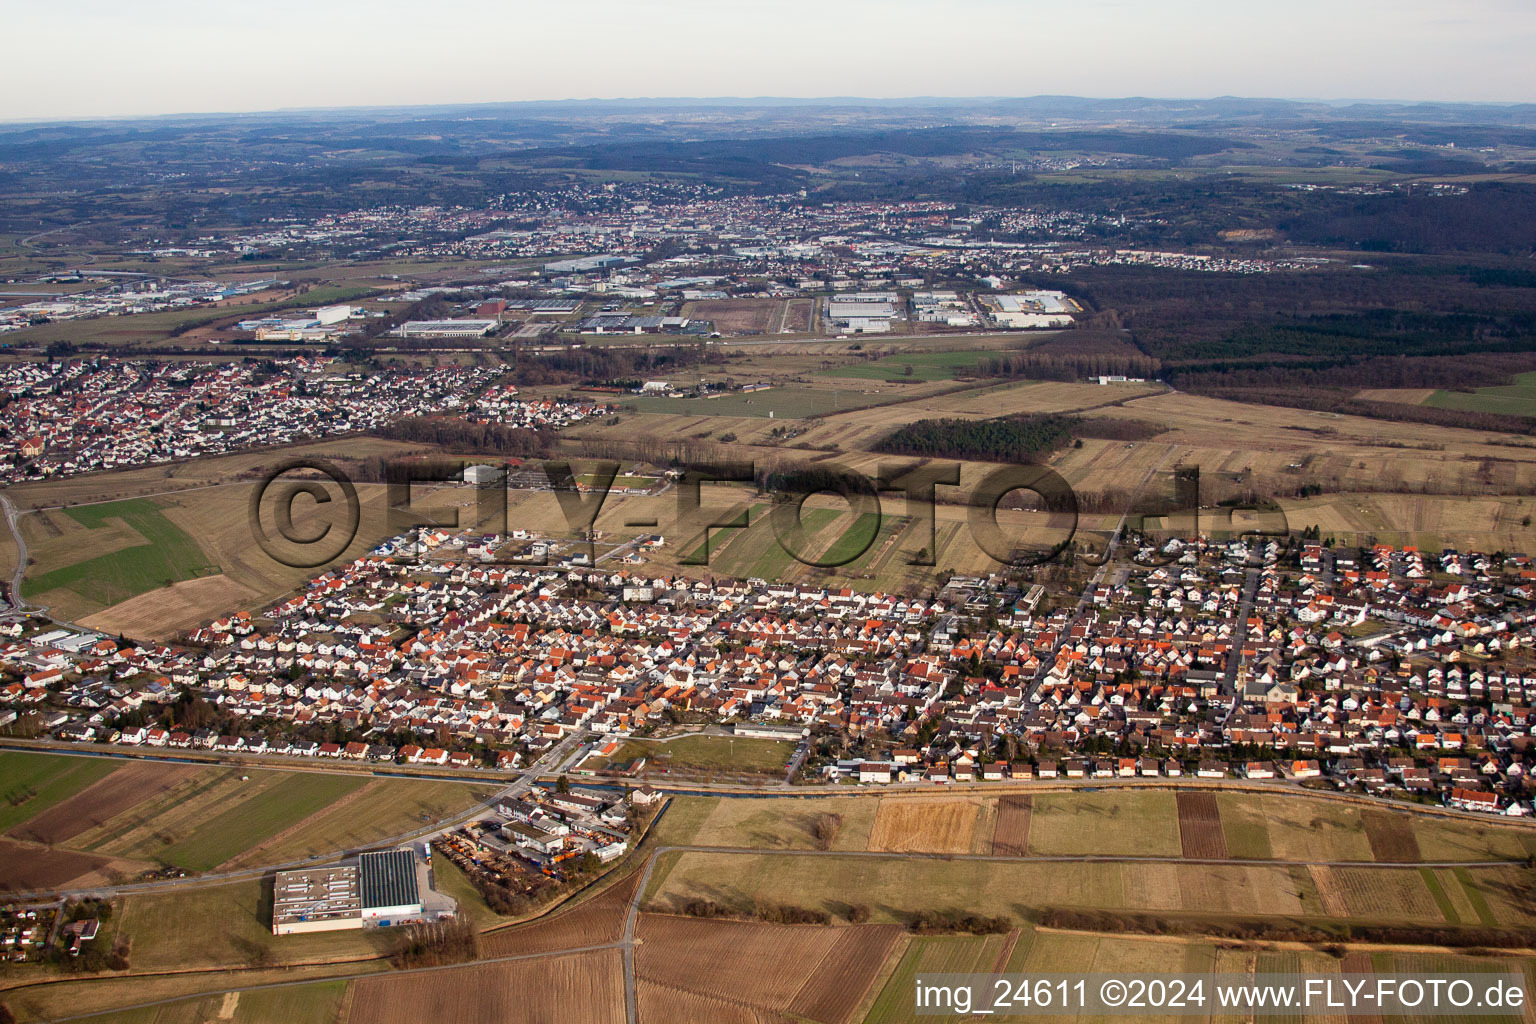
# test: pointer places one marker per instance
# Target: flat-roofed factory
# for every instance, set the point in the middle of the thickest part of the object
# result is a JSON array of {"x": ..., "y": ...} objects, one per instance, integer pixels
[{"x": 374, "y": 890}]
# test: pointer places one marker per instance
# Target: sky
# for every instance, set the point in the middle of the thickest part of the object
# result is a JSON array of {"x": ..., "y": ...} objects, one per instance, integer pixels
[{"x": 90, "y": 58}]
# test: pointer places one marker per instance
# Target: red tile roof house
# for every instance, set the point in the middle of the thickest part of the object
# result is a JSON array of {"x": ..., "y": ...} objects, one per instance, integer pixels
[{"x": 1474, "y": 800}]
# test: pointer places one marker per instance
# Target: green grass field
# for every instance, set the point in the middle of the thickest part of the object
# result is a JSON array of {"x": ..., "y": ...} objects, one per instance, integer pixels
[
  {"x": 756, "y": 551},
  {"x": 930, "y": 954},
  {"x": 709, "y": 547},
  {"x": 925, "y": 366},
  {"x": 785, "y": 403},
  {"x": 228, "y": 926},
  {"x": 855, "y": 543},
  {"x": 249, "y": 822},
  {"x": 708, "y": 754},
  {"x": 775, "y": 561},
  {"x": 32, "y": 783},
  {"x": 167, "y": 556},
  {"x": 1517, "y": 399}
]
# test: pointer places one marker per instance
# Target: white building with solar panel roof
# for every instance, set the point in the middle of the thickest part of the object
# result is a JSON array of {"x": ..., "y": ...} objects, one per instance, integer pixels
[{"x": 376, "y": 890}]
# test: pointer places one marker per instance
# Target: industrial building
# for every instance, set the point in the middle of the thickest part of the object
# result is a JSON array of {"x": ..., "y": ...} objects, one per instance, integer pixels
[
  {"x": 1032, "y": 309},
  {"x": 376, "y": 890},
  {"x": 481, "y": 475},
  {"x": 863, "y": 312},
  {"x": 388, "y": 887},
  {"x": 445, "y": 328},
  {"x": 316, "y": 900}
]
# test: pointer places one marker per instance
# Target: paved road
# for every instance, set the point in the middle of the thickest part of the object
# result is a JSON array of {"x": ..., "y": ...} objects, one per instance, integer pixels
[
  {"x": 1239, "y": 638},
  {"x": 14, "y": 594}
]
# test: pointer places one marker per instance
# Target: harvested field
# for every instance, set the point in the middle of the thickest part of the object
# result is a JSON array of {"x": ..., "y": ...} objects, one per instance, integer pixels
[
  {"x": 1396, "y": 896},
  {"x": 736, "y": 316},
  {"x": 597, "y": 920},
  {"x": 101, "y": 801},
  {"x": 1314, "y": 829},
  {"x": 161, "y": 614},
  {"x": 763, "y": 965},
  {"x": 1503, "y": 895},
  {"x": 1243, "y": 827},
  {"x": 1200, "y": 832},
  {"x": 1151, "y": 886},
  {"x": 1329, "y": 890},
  {"x": 1083, "y": 822},
  {"x": 1239, "y": 889},
  {"x": 840, "y": 982},
  {"x": 266, "y": 811},
  {"x": 1391, "y": 837},
  {"x": 776, "y": 824},
  {"x": 581, "y": 988},
  {"x": 664, "y": 1003},
  {"x": 941, "y": 825},
  {"x": 1010, "y": 835},
  {"x": 382, "y": 808},
  {"x": 28, "y": 867}
]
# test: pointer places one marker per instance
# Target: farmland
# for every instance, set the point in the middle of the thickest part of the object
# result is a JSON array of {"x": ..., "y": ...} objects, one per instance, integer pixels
[
  {"x": 591, "y": 921},
  {"x": 913, "y": 366},
  {"x": 1010, "y": 835},
  {"x": 786, "y": 402},
  {"x": 1078, "y": 823},
  {"x": 1012, "y": 889},
  {"x": 917, "y": 825},
  {"x": 1517, "y": 399},
  {"x": 708, "y": 754},
  {"x": 150, "y": 552},
  {"x": 1200, "y": 833},
  {"x": 98, "y": 814},
  {"x": 33, "y": 783},
  {"x": 766, "y": 824},
  {"x": 1123, "y": 823},
  {"x": 227, "y": 925},
  {"x": 583, "y": 988},
  {"x": 819, "y": 973},
  {"x": 752, "y": 971},
  {"x": 161, "y": 555}
]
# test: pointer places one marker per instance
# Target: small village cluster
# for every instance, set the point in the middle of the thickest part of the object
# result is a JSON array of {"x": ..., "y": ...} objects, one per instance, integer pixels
[
  {"x": 1383, "y": 669},
  {"x": 87, "y": 415}
]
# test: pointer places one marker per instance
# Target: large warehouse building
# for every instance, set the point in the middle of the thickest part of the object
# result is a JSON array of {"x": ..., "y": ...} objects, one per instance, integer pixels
[
  {"x": 387, "y": 882},
  {"x": 445, "y": 328},
  {"x": 376, "y": 890}
]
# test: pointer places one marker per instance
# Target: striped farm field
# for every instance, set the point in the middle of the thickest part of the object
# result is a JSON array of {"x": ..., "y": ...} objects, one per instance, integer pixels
[
  {"x": 200, "y": 817},
  {"x": 32, "y": 783},
  {"x": 925, "y": 826},
  {"x": 1391, "y": 837},
  {"x": 578, "y": 988},
  {"x": 1010, "y": 834},
  {"x": 1200, "y": 833},
  {"x": 117, "y": 791}
]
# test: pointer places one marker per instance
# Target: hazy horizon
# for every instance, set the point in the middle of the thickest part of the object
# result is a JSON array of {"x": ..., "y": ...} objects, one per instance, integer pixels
[{"x": 171, "y": 57}]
